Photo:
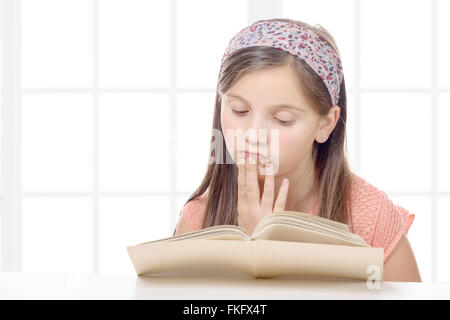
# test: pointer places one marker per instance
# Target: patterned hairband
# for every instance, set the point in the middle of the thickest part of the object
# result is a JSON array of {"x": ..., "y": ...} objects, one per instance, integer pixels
[{"x": 300, "y": 42}]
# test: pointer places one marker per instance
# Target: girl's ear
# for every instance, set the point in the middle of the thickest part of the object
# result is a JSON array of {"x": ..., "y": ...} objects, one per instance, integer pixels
[{"x": 327, "y": 124}]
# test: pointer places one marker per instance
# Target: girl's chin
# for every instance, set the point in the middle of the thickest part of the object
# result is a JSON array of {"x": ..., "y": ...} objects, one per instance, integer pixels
[
  {"x": 263, "y": 171},
  {"x": 260, "y": 163}
]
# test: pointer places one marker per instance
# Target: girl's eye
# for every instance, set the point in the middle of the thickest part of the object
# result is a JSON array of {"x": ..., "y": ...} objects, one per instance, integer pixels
[
  {"x": 284, "y": 122},
  {"x": 239, "y": 112}
]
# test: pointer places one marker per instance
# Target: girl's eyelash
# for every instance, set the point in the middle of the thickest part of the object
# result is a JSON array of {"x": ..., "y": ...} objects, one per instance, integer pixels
[{"x": 241, "y": 113}]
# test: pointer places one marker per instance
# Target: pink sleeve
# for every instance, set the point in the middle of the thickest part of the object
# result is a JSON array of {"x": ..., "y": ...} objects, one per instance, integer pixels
[
  {"x": 193, "y": 214},
  {"x": 392, "y": 222}
]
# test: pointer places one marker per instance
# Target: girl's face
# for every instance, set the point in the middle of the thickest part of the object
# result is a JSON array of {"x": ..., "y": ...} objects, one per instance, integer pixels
[{"x": 272, "y": 99}]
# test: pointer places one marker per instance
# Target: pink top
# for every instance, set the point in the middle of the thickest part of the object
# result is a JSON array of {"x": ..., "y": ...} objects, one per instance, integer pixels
[{"x": 375, "y": 217}]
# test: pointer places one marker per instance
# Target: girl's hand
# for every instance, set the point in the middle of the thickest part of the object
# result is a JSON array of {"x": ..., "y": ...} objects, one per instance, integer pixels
[{"x": 251, "y": 207}]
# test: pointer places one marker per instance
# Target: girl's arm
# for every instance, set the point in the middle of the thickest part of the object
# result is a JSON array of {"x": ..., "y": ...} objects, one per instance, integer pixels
[
  {"x": 401, "y": 264},
  {"x": 182, "y": 227}
]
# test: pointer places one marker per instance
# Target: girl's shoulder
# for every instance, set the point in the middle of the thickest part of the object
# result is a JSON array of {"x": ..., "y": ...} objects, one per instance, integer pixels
[
  {"x": 194, "y": 212},
  {"x": 375, "y": 217}
]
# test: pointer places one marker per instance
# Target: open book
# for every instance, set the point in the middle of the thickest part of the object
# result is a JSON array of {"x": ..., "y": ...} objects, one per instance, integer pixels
[{"x": 282, "y": 244}]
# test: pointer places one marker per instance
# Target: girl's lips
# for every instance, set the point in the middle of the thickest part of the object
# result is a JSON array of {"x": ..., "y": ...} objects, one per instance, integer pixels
[
  {"x": 251, "y": 154},
  {"x": 258, "y": 156}
]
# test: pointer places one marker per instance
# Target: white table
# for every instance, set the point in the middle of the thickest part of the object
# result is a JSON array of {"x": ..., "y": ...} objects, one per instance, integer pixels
[{"x": 18, "y": 285}]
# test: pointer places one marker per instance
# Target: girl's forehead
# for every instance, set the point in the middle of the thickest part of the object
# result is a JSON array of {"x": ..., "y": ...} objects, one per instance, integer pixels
[
  {"x": 278, "y": 105},
  {"x": 269, "y": 87},
  {"x": 254, "y": 98}
]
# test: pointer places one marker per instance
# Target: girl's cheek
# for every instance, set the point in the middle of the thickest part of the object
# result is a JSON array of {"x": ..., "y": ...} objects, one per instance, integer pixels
[
  {"x": 228, "y": 125},
  {"x": 227, "y": 122},
  {"x": 290, "y": 151}
]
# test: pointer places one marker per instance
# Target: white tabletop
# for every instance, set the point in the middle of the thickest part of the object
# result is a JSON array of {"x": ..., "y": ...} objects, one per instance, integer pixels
[{"x": 17, "y": 285}]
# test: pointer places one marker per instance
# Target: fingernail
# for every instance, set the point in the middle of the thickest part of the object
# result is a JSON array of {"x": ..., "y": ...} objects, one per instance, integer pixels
[{"x": 285, "y": 182}]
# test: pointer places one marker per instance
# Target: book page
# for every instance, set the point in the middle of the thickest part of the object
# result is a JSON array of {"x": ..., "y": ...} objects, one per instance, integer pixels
[
  {"x": 285, "y": 232},
  {"x": 310, "y": 217},
  {"x": 308, "y": 225},
  {"x": 303, "y": 227},
  {"x": 215, "y": 232}
]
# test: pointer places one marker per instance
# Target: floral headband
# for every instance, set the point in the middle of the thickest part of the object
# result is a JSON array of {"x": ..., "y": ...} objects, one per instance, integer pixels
[{"x": 300, "y": 42}]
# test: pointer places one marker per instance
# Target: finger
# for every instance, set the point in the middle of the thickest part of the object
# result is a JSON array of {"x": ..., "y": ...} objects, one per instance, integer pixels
[
  {"x": 282, "y": 196},
  {"x": 269, "y": 186},
  {"x": 252, "y": 184},
  {"x": 242, "y": 186}
]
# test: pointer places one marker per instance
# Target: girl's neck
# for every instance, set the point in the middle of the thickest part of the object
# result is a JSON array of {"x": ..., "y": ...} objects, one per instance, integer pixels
[
  {"x": 302, "y": 192},
  {"x": 303, "y": 188}
]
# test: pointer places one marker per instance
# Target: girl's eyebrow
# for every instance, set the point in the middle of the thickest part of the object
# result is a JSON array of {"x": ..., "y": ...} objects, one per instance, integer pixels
[{"x": 283, "y": 105}]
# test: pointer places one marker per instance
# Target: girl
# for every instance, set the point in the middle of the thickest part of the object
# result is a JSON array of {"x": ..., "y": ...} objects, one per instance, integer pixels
[{"x": 285, "y": 75}]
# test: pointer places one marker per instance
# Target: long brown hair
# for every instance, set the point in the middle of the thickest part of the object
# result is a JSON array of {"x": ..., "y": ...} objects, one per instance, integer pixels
[{"x": 330, "y": 161}]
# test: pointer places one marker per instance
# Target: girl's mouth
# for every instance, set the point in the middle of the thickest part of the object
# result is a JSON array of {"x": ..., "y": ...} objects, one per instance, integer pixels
[{"x": 261, "y": 158}]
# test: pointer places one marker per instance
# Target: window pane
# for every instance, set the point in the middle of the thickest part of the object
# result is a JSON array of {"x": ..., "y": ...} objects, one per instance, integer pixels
[
  {"x": 341, "y": 26},
  {"x": 56, "y": 43},
  {"x": 443, "y": 221},
  {"x": 134, "y": 43},
  {"x": 57, "y": 235},
  {"x": 395, "y": 141},
  {"x": 57, "y": 142},
  {"x": 194, "y": 129},
  {"x": 443, "y": 43},
  {"x": 202, "y": 38},
  {"x": 419, "y": 234},
  {"x": 393, "y": 52},
  {"x": 134, "y": 142},
  {"x": 443, "y": 152},
  {"x": 127, "y": 222}
]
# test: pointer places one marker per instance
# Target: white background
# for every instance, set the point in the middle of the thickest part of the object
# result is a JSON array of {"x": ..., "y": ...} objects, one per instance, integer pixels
[{"x": 107, "y": 113}]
